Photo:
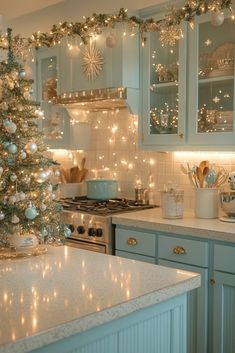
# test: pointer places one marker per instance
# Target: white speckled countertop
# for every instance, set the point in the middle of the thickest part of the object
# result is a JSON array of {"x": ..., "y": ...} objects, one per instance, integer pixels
[
  {"x": 151, "y": 219},
  {"x": 66, "y": 291}
]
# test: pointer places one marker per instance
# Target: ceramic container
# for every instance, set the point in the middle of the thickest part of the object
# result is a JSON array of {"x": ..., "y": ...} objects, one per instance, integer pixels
[
  {"x": 71, "y": 190},
  {"x": 172, "y": 202},
  {"x": 102, "y": 189},
  {"x": 206, "y": 202}
]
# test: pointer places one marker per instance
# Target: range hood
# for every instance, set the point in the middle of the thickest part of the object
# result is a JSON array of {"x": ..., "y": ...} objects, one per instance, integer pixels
[{"x": 111, "y": 98}]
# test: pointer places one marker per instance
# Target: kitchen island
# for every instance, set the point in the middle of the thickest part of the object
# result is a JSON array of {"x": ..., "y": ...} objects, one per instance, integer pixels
[{"x": 72, "y": 300}]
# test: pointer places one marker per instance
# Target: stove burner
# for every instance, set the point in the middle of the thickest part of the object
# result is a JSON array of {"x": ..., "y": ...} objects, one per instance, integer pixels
[{"x": 103, "y": 207}]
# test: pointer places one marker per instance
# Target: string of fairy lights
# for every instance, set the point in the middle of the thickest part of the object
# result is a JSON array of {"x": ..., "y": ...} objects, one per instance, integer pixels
[{"x": 168, "y": 27}]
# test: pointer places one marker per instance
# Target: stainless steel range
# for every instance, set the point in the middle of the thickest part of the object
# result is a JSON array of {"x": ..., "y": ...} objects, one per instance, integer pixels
[{"x": 90, "y": 221}]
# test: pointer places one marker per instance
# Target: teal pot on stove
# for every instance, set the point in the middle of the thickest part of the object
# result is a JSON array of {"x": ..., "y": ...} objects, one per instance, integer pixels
[{"x": 102, "y": 189}]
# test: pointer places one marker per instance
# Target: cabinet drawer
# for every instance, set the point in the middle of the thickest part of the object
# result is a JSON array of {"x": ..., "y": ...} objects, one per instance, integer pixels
[
  {"x": 224, "y": 258},
  {"x": 136, "y": 242},
  {"x": 182, "y": 250},
  {"x": 133, "y": 256}
]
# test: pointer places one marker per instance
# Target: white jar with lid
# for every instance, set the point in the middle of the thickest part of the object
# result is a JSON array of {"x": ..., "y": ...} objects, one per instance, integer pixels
[{"x": 172, "y": 202}]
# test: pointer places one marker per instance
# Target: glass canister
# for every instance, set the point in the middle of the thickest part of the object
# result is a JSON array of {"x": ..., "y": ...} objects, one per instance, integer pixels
[{"x": 172, "y": 201}]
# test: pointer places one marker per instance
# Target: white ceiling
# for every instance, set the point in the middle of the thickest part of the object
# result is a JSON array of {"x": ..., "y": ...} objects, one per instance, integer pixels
[{"x": 10, "y": 9}]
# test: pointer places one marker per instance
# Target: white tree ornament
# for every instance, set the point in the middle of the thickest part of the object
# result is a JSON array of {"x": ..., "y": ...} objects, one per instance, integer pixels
[{"x": 92, "y": 61}]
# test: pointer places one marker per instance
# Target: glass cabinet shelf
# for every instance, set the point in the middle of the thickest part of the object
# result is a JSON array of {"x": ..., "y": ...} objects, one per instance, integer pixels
[
  {"x": 221, "y": 79},
  {"x": 164, "y": 86}
]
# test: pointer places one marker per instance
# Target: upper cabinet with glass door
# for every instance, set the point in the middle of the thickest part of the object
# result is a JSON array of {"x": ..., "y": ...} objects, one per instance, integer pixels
[
  {"x": 163, "y": 92},
  {"x": 55, "y": 123},
  {"x": 211, "y": 84}
]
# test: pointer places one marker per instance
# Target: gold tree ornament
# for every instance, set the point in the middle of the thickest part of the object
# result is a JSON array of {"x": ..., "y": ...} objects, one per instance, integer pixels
[{"x": 92, "y": 61}]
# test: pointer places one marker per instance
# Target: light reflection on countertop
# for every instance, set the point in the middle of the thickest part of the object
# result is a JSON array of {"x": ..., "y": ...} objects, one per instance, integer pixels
[{"x": 77, "y": 287}]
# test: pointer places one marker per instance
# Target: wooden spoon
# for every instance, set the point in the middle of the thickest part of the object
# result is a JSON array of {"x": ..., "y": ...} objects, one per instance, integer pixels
[
  {"x": 200, "y": 177},
  {"x": 83, "y": 170},
  {"x": 74, "y": 172},
  {"x": 203, "y": 164}
]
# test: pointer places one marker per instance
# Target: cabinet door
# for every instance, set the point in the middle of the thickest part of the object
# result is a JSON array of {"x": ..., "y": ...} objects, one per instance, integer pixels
[
  {"x": 197, "y": 320},
  {"x": 224, "y": 313},
  {"x": 163, "y": 79},
  {"x": 211, "y": 84},
  {"x": 135, "y": 241},
  {"x": 55, "y": 123}
]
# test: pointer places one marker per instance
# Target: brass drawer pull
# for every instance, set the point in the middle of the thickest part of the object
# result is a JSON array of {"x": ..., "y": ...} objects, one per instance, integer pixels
[
  {"x": 179, "y": 250},
  {"x": 132, "y": 241}
]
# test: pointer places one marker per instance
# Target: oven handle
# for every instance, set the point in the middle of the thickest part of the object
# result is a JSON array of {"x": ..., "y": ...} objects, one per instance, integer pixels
[{"x": 86, "y": 246}]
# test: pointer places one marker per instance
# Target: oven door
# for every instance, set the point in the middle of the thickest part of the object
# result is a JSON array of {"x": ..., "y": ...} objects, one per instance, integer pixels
[{"x": 86, "y": 245}]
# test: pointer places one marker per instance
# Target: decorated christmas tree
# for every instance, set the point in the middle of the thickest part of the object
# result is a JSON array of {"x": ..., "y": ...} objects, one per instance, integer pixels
[{"x": 27, "y": 197}]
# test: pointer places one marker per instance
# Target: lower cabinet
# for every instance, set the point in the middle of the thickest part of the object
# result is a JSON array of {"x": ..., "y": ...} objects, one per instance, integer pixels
[
  {"x": 190, "y": 255},
  {"x": 211, "y": 308},
  {"x": 224, "y": 299},
  {"x": 197, "y": 314},
  {"x": 135, "y": 244},
  {"x": 159, "y": 328}
]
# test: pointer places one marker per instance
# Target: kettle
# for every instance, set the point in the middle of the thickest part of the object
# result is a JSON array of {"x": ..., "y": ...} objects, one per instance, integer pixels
[{"x": 142, "y": 195}]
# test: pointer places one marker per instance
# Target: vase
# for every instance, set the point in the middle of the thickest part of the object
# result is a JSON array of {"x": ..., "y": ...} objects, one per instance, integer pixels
[{"x": 206, "y": 203}]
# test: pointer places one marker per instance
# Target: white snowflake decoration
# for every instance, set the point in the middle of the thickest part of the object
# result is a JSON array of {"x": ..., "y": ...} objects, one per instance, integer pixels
[{"x": 92, "y": 61}]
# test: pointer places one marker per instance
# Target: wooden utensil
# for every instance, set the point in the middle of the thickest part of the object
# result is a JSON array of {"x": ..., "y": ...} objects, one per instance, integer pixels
[
  {"x": 204, "y": 164},
  {"x": 65, "y": 175},
  {"x": 83, "y": 170},
  {"x": 200, "y": 177},
  {"x": 74, "y": 174}
]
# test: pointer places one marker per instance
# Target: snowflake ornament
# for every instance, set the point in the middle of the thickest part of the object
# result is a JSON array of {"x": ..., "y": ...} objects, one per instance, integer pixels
[{"x": 92, "y": 62}]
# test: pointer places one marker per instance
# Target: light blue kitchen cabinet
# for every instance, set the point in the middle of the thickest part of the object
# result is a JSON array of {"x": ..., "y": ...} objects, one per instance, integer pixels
[
  {"x": 224, "y": 313},
  {"x": 224, "y": 299},
  {"x": 135, "y": 244},
  {"x": 163, "y": 91},
  {"x": 197, "y": 318},
  {"x": 157, "y": 328},
  {"x": 55, "y": 123},
  {"x": 190, "y": 255},
  {"x": 196, "y": 108},
  {"x": 211, "y": 84},
  {"x": 177, "y": 252}
]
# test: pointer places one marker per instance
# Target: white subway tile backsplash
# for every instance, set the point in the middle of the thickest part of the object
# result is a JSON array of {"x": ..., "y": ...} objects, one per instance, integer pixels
[{"x": 112, "y": 148}]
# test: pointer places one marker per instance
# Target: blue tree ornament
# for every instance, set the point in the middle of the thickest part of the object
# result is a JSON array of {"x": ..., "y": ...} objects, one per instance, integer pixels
[
  {"x": 12, "y": 148},
  {"x": 67, "y": 232},
  {"x": 30, "y": 213}
]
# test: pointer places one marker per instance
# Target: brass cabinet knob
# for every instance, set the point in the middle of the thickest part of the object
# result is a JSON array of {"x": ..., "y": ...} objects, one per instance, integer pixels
[
  {"x": 212, "y": 281},
  {"x": 181, "y": 135},
  {"x": 132, "y": 241},
  {"x": 179, "y": 250}
]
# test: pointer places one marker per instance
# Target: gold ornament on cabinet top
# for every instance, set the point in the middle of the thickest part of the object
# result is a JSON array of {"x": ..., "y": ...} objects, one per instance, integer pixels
[
  {"x": 217, "y": 18},
  {"x": 111, "y": 41}
]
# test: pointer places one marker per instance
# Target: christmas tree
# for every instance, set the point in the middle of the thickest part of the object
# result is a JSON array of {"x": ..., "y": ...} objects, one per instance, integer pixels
[{"x": 27, "y": 197}]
